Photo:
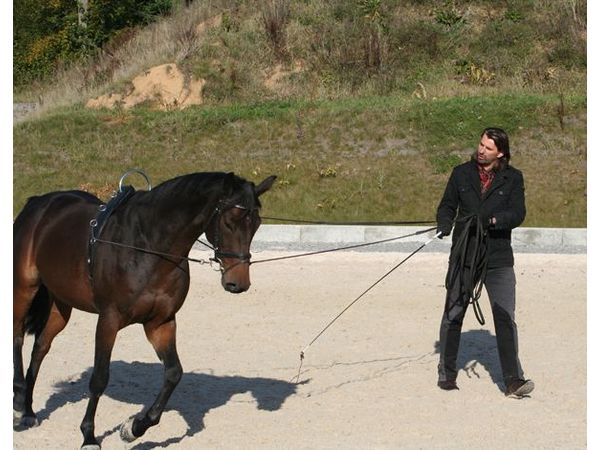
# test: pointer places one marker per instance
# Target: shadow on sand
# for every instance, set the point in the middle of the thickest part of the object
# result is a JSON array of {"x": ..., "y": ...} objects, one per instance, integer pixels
[
  {"x": 197, "y": 393},
  {"x": 478, "y": 349}
]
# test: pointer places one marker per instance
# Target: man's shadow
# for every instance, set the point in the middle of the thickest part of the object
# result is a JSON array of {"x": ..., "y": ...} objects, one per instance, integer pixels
[
  {"x": 196, "y": 394},
  {"x": 478, "y": 349}
]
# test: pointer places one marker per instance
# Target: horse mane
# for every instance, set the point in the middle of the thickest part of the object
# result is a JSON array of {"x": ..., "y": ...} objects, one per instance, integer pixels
[{"x": 230, "y": 187}]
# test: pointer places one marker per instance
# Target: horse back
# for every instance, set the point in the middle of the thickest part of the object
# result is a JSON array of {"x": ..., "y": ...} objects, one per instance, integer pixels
[{"x": 50, "y": 237}]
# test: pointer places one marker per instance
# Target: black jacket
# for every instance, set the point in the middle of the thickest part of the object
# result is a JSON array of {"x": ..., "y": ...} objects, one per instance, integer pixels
[{"x": 505, "y": 200}]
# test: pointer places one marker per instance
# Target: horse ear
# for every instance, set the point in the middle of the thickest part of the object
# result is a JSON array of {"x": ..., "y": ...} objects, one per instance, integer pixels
[
  {"x": 229, "y": 179},
  {"x": 265, "y": 185}
]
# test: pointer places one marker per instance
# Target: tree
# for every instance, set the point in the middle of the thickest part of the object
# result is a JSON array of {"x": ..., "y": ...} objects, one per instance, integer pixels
[
  {"x": 46, "y": 32},
  {"x": 82, "y": 10}
]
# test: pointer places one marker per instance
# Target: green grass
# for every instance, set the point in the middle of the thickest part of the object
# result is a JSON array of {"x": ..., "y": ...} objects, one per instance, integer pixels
[
  {"x": 392, "y": 94},
  {"x": 369, "y": 158}
]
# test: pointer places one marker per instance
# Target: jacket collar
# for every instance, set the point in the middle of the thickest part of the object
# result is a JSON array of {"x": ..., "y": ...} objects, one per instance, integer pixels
[{"x": 498, "y": 181}]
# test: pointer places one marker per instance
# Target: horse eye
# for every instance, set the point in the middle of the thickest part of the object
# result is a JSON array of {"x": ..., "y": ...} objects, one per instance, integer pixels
[{"x": 228, "y": 224}]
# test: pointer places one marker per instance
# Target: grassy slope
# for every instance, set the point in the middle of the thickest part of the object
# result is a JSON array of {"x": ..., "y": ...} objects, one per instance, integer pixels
[
  {"x": 380, "y": 147},
  {"x": 358, "y": 159}
]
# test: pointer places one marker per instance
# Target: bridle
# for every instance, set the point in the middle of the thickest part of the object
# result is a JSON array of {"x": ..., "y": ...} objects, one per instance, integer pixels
[{"x": 219, "y": 253}]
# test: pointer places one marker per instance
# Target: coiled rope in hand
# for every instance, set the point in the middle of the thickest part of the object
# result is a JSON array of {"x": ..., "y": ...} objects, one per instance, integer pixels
[{"x": 468, "y": 263}]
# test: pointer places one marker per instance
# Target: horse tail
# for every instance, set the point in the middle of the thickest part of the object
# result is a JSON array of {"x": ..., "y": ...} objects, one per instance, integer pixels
[
  {"x": 23, "y": 228},
  {"x": 38, "y": 312}
]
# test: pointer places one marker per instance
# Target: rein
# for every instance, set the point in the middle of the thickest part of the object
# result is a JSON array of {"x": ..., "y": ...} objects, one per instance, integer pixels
[
  {"x": 154, "y": 252},
  {"x": 242, "y": 257}
]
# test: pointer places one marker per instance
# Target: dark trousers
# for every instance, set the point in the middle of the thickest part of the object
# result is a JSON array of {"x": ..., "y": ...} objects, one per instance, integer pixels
[{"x": 500, "y": 286}]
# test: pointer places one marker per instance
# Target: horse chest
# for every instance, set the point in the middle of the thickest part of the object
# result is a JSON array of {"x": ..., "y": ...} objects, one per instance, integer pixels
[{"x": 155, "y": 299}]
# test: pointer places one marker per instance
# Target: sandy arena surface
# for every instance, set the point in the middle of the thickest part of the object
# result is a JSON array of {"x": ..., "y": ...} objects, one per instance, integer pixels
[{"x": 368, "y": 382}]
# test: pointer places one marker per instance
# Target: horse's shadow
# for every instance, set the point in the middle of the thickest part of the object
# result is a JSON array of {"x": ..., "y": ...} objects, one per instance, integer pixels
[
  {"x": 196, "y": 394},
  {"x": 478, "y": 348}
]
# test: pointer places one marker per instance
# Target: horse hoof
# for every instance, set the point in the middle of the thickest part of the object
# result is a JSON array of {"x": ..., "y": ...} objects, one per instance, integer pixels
[
  {"x": 29, "y": 422},
  {"x": 21, "y": 422},
  {"x": 127, "y": 431},
  {"x": 17, "y": 416}
]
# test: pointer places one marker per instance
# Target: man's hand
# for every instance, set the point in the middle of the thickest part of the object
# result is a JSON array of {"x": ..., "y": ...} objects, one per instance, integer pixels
[
  {"x": 487, "y": 221},
  {"x": 443, "y": 231}
]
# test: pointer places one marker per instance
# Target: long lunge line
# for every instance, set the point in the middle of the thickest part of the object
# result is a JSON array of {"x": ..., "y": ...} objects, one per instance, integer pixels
[
  {"x": 349, "y": 247},
  {"x": 332, "y": 321}
]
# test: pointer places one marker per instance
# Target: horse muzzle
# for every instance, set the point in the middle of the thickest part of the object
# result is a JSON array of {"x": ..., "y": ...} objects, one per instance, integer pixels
[
  {"x": 235, "y": 288},
  {"x": 235, "y": 275}
]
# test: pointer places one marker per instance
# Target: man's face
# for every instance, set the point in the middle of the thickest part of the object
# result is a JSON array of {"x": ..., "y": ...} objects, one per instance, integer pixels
[{"x": 487, "y": 153}]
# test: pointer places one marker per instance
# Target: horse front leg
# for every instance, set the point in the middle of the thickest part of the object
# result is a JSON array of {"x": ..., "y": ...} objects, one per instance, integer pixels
[
  {"x": 106, "y": 333},
  {"x": 162, "y": 338}
]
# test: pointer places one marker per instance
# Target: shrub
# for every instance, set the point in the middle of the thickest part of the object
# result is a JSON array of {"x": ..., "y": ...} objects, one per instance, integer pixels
[{"x": 46, "y": 34}]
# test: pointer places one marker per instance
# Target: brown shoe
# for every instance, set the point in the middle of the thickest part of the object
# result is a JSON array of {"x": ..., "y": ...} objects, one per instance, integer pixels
[
  {"x": 520, "y": 388},
  {"x": 448, "y": 385}
]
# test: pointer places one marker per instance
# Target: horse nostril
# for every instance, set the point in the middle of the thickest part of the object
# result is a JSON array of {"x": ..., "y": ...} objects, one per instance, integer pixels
[{"x": 234, "y": 288}]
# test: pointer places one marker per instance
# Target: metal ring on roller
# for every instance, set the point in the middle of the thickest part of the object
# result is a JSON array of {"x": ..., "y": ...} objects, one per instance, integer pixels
[{"x": 129, "y": 172}]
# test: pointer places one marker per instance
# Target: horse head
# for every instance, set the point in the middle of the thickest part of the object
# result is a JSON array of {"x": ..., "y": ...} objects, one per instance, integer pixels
[{"x": 232, "y": 228}]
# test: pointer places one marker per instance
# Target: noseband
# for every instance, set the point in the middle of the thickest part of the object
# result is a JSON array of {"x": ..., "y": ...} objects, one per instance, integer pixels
[{"x": 219, "y": 253}]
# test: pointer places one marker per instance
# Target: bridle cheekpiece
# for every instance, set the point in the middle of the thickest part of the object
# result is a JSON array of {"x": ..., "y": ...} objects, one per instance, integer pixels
[{"x": 219, "y": 254}]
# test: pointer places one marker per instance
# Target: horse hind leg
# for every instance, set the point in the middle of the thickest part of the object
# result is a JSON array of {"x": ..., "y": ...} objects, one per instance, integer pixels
[
  {"x": 31, "y": 306},
  {"x": 58, "y": 317},
  {"x": 162, "y": 338}
]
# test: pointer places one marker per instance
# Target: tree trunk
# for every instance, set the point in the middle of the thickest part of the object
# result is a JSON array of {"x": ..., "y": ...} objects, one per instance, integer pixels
[{"x": 82, "y": 9}]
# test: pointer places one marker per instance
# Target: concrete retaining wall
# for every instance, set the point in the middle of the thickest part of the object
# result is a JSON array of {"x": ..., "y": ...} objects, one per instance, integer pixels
[{"x": 319, "y": 237}]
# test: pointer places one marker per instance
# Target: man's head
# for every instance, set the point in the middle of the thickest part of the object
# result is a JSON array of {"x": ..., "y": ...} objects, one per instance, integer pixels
[{"x": 494, "y": 149}]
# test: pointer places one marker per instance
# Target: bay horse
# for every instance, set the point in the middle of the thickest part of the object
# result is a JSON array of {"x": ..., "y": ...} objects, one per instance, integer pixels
[{"x": 136, "y": 272}]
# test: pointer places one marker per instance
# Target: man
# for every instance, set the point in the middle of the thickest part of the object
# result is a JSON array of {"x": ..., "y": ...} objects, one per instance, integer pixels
[{"x": 485, "y": 200}]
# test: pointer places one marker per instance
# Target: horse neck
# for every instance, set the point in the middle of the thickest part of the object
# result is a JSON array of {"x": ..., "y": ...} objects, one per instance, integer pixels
[{"x": 174, "y": 223}]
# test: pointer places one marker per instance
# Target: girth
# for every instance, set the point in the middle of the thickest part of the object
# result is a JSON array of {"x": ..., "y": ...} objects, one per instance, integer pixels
[{"x": 104, "y": 212}]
